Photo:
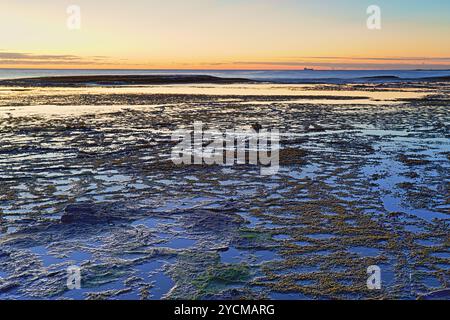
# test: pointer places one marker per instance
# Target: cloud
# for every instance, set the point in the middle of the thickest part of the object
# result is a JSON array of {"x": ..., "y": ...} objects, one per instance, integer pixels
[
  {"x": 351, "y": 63},
  {"x": 41, "y": 59},
  {"x": 322, "y": 62},
  {"x": 435, "y": 59},
  {"x": 393, "y": 59}
]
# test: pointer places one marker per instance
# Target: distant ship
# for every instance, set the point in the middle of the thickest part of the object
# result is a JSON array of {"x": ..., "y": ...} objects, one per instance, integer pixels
[{"x": 308, "y": 69}]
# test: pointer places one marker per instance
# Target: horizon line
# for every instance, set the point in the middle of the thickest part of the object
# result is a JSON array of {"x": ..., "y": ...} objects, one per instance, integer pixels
[{"x": 225, "y": 69}]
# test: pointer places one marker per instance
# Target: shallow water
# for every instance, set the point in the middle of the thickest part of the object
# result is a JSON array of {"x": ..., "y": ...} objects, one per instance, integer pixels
[{"x": 226, "y": 90}]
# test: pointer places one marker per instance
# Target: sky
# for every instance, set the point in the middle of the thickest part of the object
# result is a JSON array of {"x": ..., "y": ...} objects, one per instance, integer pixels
[{"x": 225, "y": 34}]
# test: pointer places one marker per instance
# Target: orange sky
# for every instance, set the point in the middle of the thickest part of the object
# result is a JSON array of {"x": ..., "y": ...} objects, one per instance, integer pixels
[{"x": 225, "y": 34}]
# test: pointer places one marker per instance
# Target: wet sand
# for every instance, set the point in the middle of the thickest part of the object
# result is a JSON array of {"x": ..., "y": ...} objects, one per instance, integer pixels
[{"x": 364, "y": 181}]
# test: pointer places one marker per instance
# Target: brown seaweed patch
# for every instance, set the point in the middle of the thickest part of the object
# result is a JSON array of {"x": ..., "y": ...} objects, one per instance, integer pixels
[
  {"x": 292, "y": 156},
  {"x": 412, "y": 161}
]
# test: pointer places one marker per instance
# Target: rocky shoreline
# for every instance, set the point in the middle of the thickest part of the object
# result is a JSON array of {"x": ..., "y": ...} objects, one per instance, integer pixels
[{"x": 116, "y": 80}]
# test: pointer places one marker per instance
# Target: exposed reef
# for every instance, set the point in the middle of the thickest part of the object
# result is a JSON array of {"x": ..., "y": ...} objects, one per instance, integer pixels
[{"x": 358, "y": 185}]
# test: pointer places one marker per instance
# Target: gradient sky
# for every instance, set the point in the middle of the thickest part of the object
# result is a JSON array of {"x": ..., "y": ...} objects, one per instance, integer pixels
[{"x": 225, "y": 34}]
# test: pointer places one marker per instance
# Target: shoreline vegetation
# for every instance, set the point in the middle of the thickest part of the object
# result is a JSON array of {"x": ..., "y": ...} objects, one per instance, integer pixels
[{"x": 123, "y": 80}]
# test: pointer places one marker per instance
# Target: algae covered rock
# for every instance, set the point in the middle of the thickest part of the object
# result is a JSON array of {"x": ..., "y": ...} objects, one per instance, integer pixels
[{"x": 89, "y": 213}]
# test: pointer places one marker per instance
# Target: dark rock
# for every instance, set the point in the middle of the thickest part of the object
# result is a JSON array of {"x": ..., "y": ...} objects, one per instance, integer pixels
[
  {"x": 213, "y": 221},
  {"x": 436, "y": 295},
  {"x": 87, "y": 213},
  {"x": 257, "y": 127},
  {"x": 221, "y": 249},
  {"x": 8, "y": 286},
  {"x": 73, "y": 81}
]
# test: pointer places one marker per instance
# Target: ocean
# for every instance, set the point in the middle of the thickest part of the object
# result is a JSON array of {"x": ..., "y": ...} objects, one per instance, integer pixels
[{"x": 280, "y": 76}]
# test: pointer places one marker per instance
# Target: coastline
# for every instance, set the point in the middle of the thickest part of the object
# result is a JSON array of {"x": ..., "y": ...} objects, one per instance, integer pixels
[
  {"x": 168, "y": 77},
  {"x": 114, "y": 80}
]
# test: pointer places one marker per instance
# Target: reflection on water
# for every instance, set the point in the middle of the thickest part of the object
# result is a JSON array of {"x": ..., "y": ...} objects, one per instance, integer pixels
[
  {"x": 300, "y": 94},
  {"x": 224, "y": 90}
]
